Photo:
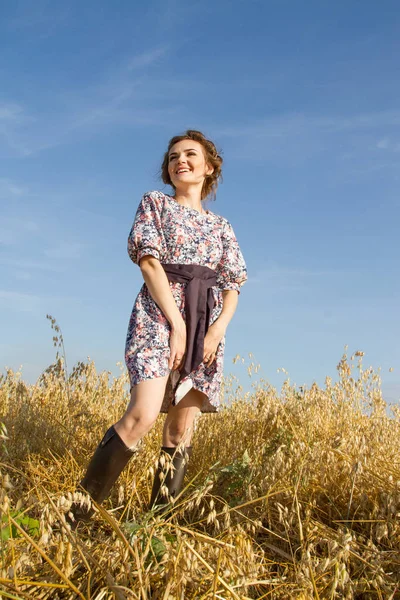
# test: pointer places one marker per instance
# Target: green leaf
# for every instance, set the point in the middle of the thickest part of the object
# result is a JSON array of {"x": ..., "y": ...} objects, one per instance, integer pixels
[
  {"x": 158, "y": 548},
  {"x": 31, "y": 526}
]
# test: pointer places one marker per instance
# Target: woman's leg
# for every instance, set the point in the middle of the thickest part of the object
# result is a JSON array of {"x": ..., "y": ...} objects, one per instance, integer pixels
[
  {"x": 119, "y": 442},
  {"x": 143, "y": 410},
  {"x": 178, "y": 426},
  {"x": 178, "y": 430}
]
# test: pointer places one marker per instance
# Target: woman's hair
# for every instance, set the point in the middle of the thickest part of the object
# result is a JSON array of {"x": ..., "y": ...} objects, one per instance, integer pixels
[{"x": 213, "y": 159}]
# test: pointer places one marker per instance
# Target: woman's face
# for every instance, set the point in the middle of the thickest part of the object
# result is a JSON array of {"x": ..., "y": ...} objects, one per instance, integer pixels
[{"x": 187, "y": 164}]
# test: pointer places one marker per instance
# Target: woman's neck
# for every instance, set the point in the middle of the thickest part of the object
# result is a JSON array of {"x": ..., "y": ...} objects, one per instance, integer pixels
[{"x": 190, "y": 200}]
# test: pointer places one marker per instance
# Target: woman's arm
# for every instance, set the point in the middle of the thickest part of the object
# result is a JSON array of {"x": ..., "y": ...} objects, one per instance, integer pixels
[
  {"x": 230, "y": 302},
  {"x": 158, "y": 286},
  {"x": 217, "y": 330}
]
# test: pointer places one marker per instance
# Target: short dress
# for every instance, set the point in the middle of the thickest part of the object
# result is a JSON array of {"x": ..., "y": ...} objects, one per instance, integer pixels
[{"x": 176, "y": 234}]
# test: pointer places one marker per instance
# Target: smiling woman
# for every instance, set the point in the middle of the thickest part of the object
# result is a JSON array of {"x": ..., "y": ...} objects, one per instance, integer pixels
[
  {"x": 193, "y": 269},
  {"x": 198, "y": 151}
]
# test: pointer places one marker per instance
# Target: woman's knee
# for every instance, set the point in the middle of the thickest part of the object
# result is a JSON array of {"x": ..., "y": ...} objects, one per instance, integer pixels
[
  {"x": 176, "y": 431},
  {"x": 145, "y": 404},
  {"x": 141, "y": 421}
]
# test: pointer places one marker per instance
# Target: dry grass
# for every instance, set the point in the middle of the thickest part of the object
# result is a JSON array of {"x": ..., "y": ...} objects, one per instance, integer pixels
[{"x": 289, "y": 495}]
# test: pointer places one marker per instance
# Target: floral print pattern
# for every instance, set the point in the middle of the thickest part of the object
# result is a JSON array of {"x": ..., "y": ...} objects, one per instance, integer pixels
[{"x": 173, "y": 233}]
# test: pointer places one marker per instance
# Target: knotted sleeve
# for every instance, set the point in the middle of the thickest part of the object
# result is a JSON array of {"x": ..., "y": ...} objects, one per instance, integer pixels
[
  {"x": 231, "y": 270},
  {"x": 146, "y": 236}
]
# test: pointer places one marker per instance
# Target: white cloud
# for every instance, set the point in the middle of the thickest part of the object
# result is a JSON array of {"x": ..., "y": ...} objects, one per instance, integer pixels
[
  {"x": 297, "y": 137},
  {"x": 296, "y": 122},
  {"x": 387, "y": 144},
  {"x": 277, "y": 277},
  {"x": 122, "y": 98},
  {"x": 23, "y": 275},
  {"x": 28, "y": 265},
  {"x": 146, "y": 59},
  {"x": 15, "y": 301},
  {"x": 65, "y": 250},
  {"x": 19, "y": 302},
  {"x": 14, "y": 123},
  {"x": 11, "y": 189},
  {"x": 15, "y": 229},
  {"x": 10, "y": 112},
  {"x": 383, "y": 144}
]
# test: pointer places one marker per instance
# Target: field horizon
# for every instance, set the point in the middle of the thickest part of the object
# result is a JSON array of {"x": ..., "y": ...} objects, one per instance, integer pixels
[{"x": 293, "y": 494}]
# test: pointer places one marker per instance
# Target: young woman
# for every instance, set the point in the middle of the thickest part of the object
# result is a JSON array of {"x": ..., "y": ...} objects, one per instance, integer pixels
[{"x": 193, "y": 269}]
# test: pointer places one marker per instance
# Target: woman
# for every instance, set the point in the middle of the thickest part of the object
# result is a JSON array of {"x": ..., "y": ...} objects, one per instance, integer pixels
[{"x": 193, "y": 269}]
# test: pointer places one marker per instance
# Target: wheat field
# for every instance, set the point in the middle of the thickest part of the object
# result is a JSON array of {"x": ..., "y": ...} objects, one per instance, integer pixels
[{"x": 289, "y": 494}]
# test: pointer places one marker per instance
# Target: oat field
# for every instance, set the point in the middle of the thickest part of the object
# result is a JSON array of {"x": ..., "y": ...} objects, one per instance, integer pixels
[{"x": 289, "y": 494}]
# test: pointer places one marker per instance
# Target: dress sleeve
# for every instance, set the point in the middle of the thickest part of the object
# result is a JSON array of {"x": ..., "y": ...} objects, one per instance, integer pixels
[
  {"x": 146, "y": 236},
  {"x": 231, "y": 270}
]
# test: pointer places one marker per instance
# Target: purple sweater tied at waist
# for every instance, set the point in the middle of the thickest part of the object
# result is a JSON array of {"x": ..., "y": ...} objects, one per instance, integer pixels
[{"x": 199, "y": 303}]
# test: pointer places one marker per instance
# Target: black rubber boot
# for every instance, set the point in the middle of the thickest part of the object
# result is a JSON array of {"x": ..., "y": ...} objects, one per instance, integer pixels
[
  {"x": 171, "y": 478},
  {"x": 108, "y": 461}
]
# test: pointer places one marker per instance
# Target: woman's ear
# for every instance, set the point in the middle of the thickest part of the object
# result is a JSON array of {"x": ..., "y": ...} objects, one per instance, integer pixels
[{"x": 210, "y": 170}]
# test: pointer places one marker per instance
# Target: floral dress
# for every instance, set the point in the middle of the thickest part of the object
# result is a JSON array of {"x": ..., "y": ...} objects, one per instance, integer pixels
[{"x": 174, "y": 233}]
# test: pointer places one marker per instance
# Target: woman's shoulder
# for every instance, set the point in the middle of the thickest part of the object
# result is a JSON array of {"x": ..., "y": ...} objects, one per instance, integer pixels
[
  {"x": 154, "y": 198},
  {"x": 222, "y": 221},
  {"x": 155, "y": 195}
]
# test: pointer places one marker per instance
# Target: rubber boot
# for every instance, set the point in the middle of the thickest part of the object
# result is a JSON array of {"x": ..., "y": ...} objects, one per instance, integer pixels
[
  {"x": 171, "y": 478},
  {"x": 108, "y": 461}
]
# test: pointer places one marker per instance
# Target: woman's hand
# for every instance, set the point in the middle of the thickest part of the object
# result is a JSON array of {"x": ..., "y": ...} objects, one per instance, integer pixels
[
  {"x": 213, "y": 337},
  {"x": 177, "y": 345}
]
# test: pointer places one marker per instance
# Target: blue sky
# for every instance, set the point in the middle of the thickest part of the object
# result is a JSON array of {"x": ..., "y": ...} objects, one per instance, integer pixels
[{"x": 303, "y": 101}]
